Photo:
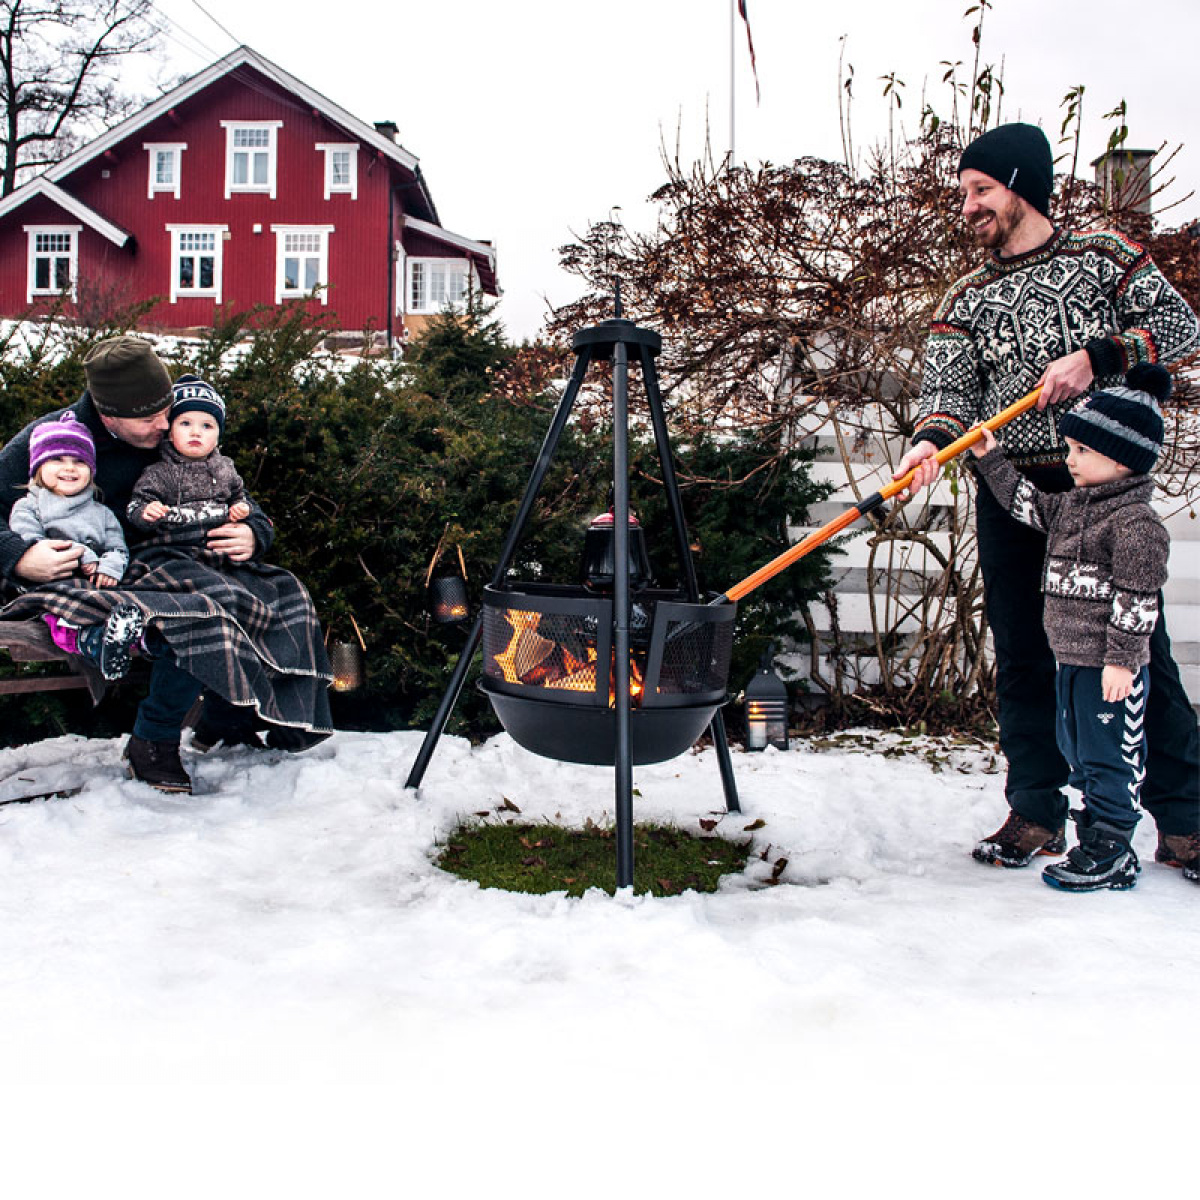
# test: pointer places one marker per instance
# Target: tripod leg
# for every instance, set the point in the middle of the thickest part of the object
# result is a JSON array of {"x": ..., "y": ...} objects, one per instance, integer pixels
[
  {"x": 449, "y": 700},
  {"x": 545, "y": 456},
  {"x": 684, "y": 551}
]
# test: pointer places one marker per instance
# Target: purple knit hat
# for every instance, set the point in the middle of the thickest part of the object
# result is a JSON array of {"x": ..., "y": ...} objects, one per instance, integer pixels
[{"x": 56, "y": 439}]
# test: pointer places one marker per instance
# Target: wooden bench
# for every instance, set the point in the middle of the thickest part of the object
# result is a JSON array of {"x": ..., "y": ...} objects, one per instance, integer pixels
[{"x": 30, "y": 641}]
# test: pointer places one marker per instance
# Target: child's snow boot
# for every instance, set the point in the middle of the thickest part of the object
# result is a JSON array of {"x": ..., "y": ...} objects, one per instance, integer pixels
[
  {"x": 108, "y": 645},
  {"x": 1103, "y": 859},
  {"x": 1180, "y": 850},
  {"x": 1017, "y": 841}
]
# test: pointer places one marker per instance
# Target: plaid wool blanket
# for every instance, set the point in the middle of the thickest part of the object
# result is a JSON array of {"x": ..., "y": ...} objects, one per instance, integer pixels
[{"x": 247, "y": 631}]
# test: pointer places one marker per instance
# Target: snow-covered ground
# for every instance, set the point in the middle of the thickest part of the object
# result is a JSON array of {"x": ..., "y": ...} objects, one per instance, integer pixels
[{"x": 268, "y": 989}]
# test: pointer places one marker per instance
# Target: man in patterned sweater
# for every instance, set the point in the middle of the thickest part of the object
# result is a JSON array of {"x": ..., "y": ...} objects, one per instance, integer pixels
[{"x": 1069, "y": 312}]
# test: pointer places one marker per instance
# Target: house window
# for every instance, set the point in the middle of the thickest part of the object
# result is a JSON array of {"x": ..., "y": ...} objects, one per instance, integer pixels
[
  {"x": 341, "y": 168},
  {"x": 301, "y": 261},
  {"x": 250, "y": 156},
  {"x": 166, "y": 167},
  {"x": 436, "y": 283},
  {"x": 196, "y": 261},
  {"x": 53, "y": 260}
]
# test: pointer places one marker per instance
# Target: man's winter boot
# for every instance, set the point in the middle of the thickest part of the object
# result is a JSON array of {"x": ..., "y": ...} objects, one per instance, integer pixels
[
  {"x": 157, "y": 763},
  {"x": 1103, "y": 859},
  {"x": 108, "y": 645},
  {"x": 1180, "y": 850},
  {"x": 1017, "y": 841}
]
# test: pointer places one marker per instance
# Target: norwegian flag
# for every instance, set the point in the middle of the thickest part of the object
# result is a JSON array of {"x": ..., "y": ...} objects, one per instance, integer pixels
[{"x": 750, "y": 42}]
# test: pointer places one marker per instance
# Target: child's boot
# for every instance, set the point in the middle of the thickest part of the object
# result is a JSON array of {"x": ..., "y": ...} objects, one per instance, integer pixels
[
  {"x": 108, "y": 645},
  {"x": 1103, "y": 859}
]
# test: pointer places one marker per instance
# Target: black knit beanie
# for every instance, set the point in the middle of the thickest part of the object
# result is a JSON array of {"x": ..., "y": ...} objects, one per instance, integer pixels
[
  {"x": 126, "y": 378},
  {"x": 192, "y": 394},
  {"x": 1017, "y": 156},
  {"x": 1124, "y": 423}
]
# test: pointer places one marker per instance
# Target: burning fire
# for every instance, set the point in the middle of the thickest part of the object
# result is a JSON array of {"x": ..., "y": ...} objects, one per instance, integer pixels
[{"x": 537, "y": 661}]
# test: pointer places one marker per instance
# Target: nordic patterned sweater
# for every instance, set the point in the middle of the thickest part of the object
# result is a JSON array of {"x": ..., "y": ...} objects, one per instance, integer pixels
[
  {"x": 1106, "y": 560},
  {"x": 996, "y": 330}
]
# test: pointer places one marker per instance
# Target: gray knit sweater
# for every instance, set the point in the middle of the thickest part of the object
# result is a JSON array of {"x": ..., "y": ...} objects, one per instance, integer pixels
[
  {"x": 1106, "y": 561},
  {"x": 81, "y": 519},
  {"x": 195, "y": 491}
]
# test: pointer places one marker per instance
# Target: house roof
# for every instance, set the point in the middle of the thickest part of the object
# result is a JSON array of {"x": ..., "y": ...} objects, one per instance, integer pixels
[
  {"x": 42, "y": 186},
  {"x": 235, "y": 60},
  {"x": 484, "y": 253}
]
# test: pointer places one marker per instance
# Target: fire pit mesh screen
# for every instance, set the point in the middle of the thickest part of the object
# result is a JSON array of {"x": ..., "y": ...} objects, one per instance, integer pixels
[
  {"x": 695, "y": 657},
  {"x": 540, "y": 649},
  {"x": 558, "y": 639}
]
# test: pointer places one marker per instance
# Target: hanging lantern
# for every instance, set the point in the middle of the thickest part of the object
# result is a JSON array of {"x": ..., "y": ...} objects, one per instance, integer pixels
[
  {"x": 448, "y": 602},
  {"x": 599, "y": 553},
  {"x": 766, "y": 709},
  {"x": 348, "y": 660}
]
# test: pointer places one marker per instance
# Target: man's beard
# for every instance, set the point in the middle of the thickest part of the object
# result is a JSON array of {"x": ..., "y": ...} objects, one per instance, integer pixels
[{"x": 1002, "y": 228}]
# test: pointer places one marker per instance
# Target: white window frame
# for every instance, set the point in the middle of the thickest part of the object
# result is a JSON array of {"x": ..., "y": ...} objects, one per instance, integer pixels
[
  {"x": 175, "y": 151},
  {"x": 282, "y": 292},
  {"x": 350, "y": 187},
  {"x": 423, "y": 266},
  {"x": 232, "y": 128},
  {"x": 32, "y": 291},
  {"x": 177, "y": 233}
]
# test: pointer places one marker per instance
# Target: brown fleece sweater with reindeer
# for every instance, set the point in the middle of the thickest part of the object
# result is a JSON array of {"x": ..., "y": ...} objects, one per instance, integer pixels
[{"x": 1106, "y": 561}]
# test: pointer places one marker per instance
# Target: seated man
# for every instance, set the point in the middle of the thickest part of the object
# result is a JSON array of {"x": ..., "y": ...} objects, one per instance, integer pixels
[{"x": 217, "y": 618}]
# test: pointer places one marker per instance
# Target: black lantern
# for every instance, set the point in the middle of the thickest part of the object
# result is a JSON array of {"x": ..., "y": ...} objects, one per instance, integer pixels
[
  {"x": 448, "y": 602},
  {"x": 766, "y": 708},
  {"x": 599, "y": 555}
]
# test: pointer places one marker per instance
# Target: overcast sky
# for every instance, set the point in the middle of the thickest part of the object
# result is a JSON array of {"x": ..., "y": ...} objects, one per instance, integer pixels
[{"x": 532, "y": 118}]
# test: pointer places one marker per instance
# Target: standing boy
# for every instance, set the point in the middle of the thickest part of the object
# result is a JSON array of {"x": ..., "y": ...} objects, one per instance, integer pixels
[{"x": 1106, "y": 562}]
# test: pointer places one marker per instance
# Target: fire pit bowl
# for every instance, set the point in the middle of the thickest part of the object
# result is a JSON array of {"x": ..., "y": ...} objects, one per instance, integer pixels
[{"x": 548, "y": 670}]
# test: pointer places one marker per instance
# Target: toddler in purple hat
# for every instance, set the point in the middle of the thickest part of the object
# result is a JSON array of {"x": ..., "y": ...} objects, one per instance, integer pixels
[
  {"x": 62, "y": 504},
  {"x": 62, "y": 501}
]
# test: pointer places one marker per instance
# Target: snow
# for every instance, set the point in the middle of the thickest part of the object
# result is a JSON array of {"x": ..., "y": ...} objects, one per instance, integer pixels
[{"x": 273, "y": 973}]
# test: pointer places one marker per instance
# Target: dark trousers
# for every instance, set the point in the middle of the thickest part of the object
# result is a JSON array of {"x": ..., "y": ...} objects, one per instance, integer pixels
[
  {"x": 1104, "y": 742},
  {"x": 172, "y": 692},
  {"x": 1011, "y": 556}
]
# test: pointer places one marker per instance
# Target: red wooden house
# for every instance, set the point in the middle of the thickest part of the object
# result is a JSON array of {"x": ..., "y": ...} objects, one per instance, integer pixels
[{"x": 241, "y": 186}]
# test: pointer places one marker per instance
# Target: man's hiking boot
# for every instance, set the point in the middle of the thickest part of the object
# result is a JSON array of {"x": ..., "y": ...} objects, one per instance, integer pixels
[
  {"x": 1103, "y": 859},
  {"x": 157, "y": 763},
  {"x": 1180, "y": 850},
  {"x": 1017, "y": 841},
  {"x": 108, "y": 645}
]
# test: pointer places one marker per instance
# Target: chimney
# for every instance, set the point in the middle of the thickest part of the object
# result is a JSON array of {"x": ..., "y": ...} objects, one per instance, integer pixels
[
  {"x": 389, "y": 129},
  {"x": 1123, "y": 177}
]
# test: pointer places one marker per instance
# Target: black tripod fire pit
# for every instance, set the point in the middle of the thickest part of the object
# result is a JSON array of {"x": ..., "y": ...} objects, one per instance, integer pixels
[
  {"x": 614, "y": 671},
  {"x": 548, "y": 670}
]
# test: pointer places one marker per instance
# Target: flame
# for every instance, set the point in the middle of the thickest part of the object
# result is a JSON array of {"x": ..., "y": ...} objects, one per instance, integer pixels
[{"x": 537, "y": 661}]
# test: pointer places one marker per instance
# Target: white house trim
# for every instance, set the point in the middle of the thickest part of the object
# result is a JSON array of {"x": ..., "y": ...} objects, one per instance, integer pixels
[
  {"x": 71, "y": 253},
  {"x": 180, "y": 250},
  {"x": 320, "y": 253},
  {"x": 175, "y": 151},
  {"x": 330, "y": 150},
  {"x": 270, "y": 149},
  {"x": 483, "y": 249},
  {"x": 80, "y": 211}
]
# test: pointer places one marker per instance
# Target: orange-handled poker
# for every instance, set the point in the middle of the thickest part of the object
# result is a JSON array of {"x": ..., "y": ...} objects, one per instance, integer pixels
[{"x": 873, "y": 501}]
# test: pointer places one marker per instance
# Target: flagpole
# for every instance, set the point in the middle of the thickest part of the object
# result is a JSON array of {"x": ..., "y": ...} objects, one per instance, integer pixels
[{"x": 732, "y": 61}]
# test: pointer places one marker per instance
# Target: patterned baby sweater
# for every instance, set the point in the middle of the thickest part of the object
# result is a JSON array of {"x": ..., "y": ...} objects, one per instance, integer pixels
[
  {"x": 997, "y": 329},
  {"x": 1106, "y": 560}
]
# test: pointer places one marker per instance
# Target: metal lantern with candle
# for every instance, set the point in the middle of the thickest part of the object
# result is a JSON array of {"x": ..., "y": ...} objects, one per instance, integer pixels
[
  {"x": 766, "y": 708},
  {"x": 347, "y": 660},
  {"x": 448, "y": 602}
]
